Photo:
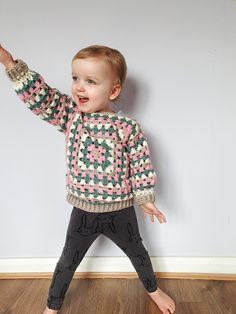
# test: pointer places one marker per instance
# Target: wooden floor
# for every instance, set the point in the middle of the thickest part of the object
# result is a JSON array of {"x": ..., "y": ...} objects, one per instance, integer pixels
[{"x": 119, "y": 296}]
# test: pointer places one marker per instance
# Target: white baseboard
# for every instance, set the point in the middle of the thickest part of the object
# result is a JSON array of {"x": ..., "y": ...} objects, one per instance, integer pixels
[{"x": 217, "y": 265}]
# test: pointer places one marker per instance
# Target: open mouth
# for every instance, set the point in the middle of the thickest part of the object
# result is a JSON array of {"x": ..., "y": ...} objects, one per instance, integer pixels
[{"x": 83, "y": 100}]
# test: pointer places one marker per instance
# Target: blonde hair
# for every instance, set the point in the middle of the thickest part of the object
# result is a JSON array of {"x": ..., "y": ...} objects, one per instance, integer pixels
[{"x": 111, "y": 56}]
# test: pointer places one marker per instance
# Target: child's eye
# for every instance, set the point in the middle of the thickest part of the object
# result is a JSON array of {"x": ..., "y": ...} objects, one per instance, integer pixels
[
  {"x": 74, "y": 78},
  {"x": 91, "y": 81}
]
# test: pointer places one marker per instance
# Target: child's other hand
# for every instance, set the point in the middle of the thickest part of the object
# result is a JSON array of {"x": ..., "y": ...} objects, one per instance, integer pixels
[
  {"x": 150, "y": 209},
  {"x": 6, "y": 58}
]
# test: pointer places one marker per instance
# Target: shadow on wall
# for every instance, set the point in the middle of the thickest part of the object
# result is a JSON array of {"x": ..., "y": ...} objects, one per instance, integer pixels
[{"x": 133, "y": 98}]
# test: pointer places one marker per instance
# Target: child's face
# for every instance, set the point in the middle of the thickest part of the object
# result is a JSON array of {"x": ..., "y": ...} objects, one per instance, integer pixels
[{"x": 94, "y": 85}]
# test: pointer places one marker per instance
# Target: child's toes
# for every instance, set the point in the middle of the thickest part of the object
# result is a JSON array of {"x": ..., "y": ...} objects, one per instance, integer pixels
[
  {"x": 171, "y": 310},
  {"x": 172, "y": 307}
]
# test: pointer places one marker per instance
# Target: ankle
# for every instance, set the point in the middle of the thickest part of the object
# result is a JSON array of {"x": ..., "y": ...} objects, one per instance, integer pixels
[
  {"x": 49, "y": 311},
  {"x": 155, "y": 292}
]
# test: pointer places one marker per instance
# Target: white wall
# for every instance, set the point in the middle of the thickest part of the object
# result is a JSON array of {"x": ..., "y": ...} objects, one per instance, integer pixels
[{"x": 180, "y": 85}]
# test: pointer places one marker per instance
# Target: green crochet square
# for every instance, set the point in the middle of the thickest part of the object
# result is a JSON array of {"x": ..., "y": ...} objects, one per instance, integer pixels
[{"x": 96, "y": 154}]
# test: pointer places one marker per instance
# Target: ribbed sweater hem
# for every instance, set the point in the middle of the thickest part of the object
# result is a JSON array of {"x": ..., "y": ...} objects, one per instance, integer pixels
[{"x": 98, "y": 208}]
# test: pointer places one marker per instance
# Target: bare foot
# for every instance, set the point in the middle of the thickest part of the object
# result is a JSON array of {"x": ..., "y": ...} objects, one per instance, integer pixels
[
  {"x": 163, "y": 301},
  {"x": 48, "y": 311}
]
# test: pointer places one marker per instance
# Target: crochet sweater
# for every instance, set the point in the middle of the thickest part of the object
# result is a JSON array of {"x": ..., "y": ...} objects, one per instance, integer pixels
[{"x": 107, "y": 155}]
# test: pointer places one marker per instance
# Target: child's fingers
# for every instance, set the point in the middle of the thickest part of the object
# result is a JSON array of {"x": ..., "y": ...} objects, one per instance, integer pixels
[
  {"x": 152, "y": 217},
  {"x": 160, "y": 215},
  {"x": 161, "y": 218},
  {"x": 145, "y": 213}
]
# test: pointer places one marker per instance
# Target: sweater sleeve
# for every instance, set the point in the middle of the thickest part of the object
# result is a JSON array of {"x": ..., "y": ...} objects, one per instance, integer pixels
[
  {"x": 142, "y": 174},
  {"x": 46, "y": 102}
]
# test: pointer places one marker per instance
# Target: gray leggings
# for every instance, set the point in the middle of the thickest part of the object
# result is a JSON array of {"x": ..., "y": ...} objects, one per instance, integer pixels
[{"x": 121, "y": 227}]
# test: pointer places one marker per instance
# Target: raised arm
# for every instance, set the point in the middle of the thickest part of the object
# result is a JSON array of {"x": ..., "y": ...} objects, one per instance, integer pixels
[{"x": 46, "y": 102}]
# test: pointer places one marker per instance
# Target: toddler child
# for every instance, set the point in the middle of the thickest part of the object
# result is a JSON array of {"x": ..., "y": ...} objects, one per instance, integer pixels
[{"x": 109, "y": 168}]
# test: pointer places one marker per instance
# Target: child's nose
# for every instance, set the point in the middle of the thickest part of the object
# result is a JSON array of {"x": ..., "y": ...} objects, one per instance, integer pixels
[{"x": 80, "y": 87}]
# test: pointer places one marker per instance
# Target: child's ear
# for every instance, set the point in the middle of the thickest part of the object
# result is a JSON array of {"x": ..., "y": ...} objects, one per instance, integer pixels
[{"x": 116, "y": 89}]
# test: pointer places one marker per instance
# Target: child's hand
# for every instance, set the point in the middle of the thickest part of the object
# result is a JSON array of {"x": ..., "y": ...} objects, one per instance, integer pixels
[
  {"x": 150, "y": 209},
  {"x": 6, "y": 58}
]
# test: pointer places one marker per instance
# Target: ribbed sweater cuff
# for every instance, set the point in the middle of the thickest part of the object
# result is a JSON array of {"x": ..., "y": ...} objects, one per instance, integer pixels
[
  {"x": 18, "y": 71},
  {"x": 144, "y": 197}
]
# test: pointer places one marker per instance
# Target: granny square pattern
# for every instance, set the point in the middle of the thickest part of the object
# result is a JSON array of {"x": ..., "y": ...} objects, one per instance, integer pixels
[
  {"x": 108, "y": 163},
  {"x": 96, "y": 154}
]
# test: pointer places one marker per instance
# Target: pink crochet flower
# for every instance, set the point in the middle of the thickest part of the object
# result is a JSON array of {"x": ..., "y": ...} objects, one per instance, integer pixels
[{"x": 96, "y": 153}]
